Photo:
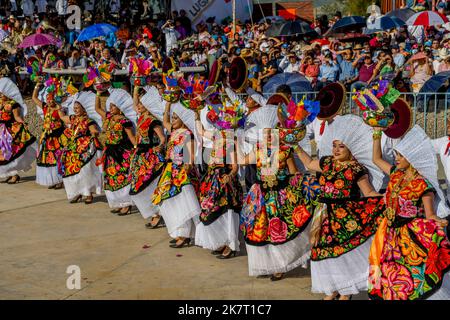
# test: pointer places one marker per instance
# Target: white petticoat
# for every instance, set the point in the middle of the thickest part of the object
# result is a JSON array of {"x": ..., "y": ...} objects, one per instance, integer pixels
[
  {"x": 47, "y": 176},
  {"x": 87, "y": 181},
  {"x": 270, "y": 259},
  {"x": 347, "y": 274},
  {"x": 179, "y": 213},
  {"x": 443, "y": 293},
  {"x": 22, "y": 163},
  {"x": 120, "y": 198},
  {"x": 143, "y": 201},
  {"x": 224, "y": 231}
]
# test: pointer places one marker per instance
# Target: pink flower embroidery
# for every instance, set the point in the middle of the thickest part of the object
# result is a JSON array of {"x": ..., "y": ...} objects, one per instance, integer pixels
[
  {"x": 329, "y": 187},
  {"x": 277, "y": 230},
  {"x": 396, "y": 281},
  {"x": 407, "y": 208}
]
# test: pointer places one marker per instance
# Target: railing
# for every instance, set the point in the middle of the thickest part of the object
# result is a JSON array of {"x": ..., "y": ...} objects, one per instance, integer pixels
[{"x": 430, "y": 110}]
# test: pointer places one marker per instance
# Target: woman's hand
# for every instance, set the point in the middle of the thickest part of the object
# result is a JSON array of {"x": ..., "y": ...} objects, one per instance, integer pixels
[
  {"x": 439, "y": 221},
  {"x": 226, "y": 178}
]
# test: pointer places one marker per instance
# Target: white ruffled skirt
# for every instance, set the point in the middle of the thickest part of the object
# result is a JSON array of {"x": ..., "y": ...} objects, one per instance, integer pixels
[
  {"x": 443, "y": 293},
  {"x": 181, "y": 212},
  {"x": 224, "y": 231},
  {"x": 22, "y": 163},
  {"x": 48, "y": 176},
  {"x": 270, "y": 259},
  {"x": 347, "y": 274},
  {"x": 120, "y": 198},
  {"x": 143, "y": 201},
  {"x": 88, "y": 181}
]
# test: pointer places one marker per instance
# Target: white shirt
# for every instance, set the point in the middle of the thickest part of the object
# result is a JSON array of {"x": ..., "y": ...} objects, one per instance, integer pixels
[
  {"x": 171, "y": 37},
  {"x": 313, "y": 132},
  {"x": 440, "y": 145},
  {"x": 61, "y": 7},
  {"x": 41, "y": 6},
  {"x": 28, "y": 8}
]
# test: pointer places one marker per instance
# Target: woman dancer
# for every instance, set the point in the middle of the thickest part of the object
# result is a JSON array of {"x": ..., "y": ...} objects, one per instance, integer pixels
[
  {"x": 342, "y": 229},
  {"x": 17, "y": 145},
  {"x": 147, "y": 160},
  {"x": 77, "y": 166},
  {"x": 410, "y": 254},
  {"x": 176, "y": 190},
  {"x": 52, "y": 139},
  {"x": 220, "y": 191},
  {"x": 278, "y": 208},
  {"x": 118, "y": 141}
]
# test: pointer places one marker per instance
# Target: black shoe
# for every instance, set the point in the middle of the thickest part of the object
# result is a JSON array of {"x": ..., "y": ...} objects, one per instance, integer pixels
[
  {"x": 159, "y": 224},
  {"x": 59, "y": 186},
  {"x": 89, "y": 200},
  {"x": 228, "y": 256},
  {"x": 7, "y": 180},
  {"x": 173, "y": 241},
  {"x": 76, "y": 199},
  {"x": 115, "y": 210},
  {"x": 13, "y": 180},
  {"x": 125, "y": 213},
  {"x": 217, "y": 252},
  {"x": 186, "y": 242},
  {"x": 52, "y": 187},
  {"x": 276, "y": 278}
]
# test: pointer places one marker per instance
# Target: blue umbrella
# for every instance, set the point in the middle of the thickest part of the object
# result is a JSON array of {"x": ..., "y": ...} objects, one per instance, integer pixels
[
  {"x": 348, "y": 24},
  {"x": 96, "y": 30},
  {"x": 399, "y": 22},
  {"x": 295, "y": 81},
  {"x": 435, "y": 82},
  {"x": 380, "y": 24}
]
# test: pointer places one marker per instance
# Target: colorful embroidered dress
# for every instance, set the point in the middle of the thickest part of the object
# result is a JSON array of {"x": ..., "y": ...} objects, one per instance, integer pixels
[
  {"x": 217, "y": 197},
  {"x": 52, "y": 139},
  {"x": 146, "y": 165},
  {"x": 13, "y": 131},
  {"x": 278, "y": 207},
  {"x": 81, "y": 146},
  {"x": 350, "y": 220},
  {"x": 116, "y": 153},
  {"x": 410, "y": 254},
  {"x": 174, "y": 176}
]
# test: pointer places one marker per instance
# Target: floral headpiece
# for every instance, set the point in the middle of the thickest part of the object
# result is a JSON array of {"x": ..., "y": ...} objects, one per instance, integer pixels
[
  {"x": 34, "y": 68},
  {"x": 380, "y": 96},
  {"x": 231, "y": 115},
  {"x": 173, "y": 90},
  {"x": 195, "y": 93},
  {"x": 58, "y": 88},
  {"x": 98, "y": 74},
  {"x": 140, "y": 69},
  {"x": 296, "y": 115}
]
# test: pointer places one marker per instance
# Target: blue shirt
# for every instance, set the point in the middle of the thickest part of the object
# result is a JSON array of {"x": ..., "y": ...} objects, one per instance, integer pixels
[
  {"x": 346, "y": 69},
  {"x": 329, "y": 72}
]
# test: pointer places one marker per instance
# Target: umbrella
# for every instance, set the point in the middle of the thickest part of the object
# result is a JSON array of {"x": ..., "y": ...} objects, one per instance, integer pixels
[
  {"x": 399, "y": 22},
  {"x": 271, "y": 18},
  {"x": 425, "y": 18},
  {"x": 295, "y": 81},
  {"x": 3, "y": 35},
  {"x": 379, "y": 24},
  {"x": 348, "y": 24},
  {"x": 435, "y": 82},
  {"x": 296, "y": 28},
  {"x": 322, "y": 42},
  {"x": 96, "y": 30},
  {"x": 402, "y": 14},
  {"x": 39, "y": 39},
  {"x": 352, "y": 37}
]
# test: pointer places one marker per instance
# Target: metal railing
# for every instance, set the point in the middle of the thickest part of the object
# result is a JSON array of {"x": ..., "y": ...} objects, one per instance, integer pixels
[{"x": 430, "y": 110}]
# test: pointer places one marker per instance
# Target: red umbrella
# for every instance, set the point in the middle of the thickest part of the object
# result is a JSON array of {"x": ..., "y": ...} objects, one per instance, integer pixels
[
  {"x": 39, "y": 39},
  {"x": 322, "y": 42},
  {"x": 426, "y": 18}
]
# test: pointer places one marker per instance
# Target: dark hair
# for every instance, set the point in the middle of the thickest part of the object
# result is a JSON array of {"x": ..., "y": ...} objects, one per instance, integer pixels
[{"x": 284, "y": 89}]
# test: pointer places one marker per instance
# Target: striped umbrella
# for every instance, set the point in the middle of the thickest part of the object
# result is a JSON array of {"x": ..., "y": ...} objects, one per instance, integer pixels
[{"x": 426, "y": 18}]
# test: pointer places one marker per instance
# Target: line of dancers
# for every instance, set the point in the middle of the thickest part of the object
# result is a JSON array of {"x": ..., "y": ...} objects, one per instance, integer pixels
[{"x": 368, "y": 213}]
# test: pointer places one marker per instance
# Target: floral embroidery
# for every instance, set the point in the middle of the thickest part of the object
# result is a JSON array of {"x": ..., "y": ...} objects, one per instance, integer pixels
[
  {"x": 350, "y": 222},
  {"x": 413, "y": 252},
  {"x": 21, "y": 136}
]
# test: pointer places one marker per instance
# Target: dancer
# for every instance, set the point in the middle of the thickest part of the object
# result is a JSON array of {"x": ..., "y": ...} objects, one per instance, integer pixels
[
  {"x": 178, "y": 184},
  {"x": 410, "y": 254},
  {"x": 118, "y": 140},
  {"x": 17, "y": 145},
  {"x": 147, "y": 160},
  {"x": 52, "y": 139},
  {"x": 343, "y": 227},
  {"x": 278, "y": 208},
  {"x": 77, "y": 166},
  {"x": 220, "y": 191}
]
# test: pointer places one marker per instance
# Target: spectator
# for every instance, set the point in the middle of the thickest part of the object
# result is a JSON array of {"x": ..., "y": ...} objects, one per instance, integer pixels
[
  {"x": 290, "y": 64},
  {"x": 171, "y": 36},
  {"x": 347, "y": 72},
  {"x": 399, "y": 58},
  {"x": 327, "y": 72},
  {"x": 76, "y": 61},
  {"x": 266, "y": 70},
  {"x": 365, "y": 73},
  {"x": 421, "y": 71},
  {"x": 310, "y": 68}
]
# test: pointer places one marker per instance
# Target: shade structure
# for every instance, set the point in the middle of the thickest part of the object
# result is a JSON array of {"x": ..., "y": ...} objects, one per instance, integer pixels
[
  {"x": 39, "y": 39},
  {"x": 291, "y": 28},
  {"x": 426, "y": 18},
  {"x": 380, "y": 24},
  {"x": 96, "y": 30},
  {"x": 403, "y": 14},
  {"x": 295, "y": 81},
  {"x": 436, "y": 82}
]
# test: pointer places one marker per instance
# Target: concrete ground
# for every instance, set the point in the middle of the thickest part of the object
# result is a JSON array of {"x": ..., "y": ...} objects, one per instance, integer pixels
[{"x": 42, "y": 234}]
